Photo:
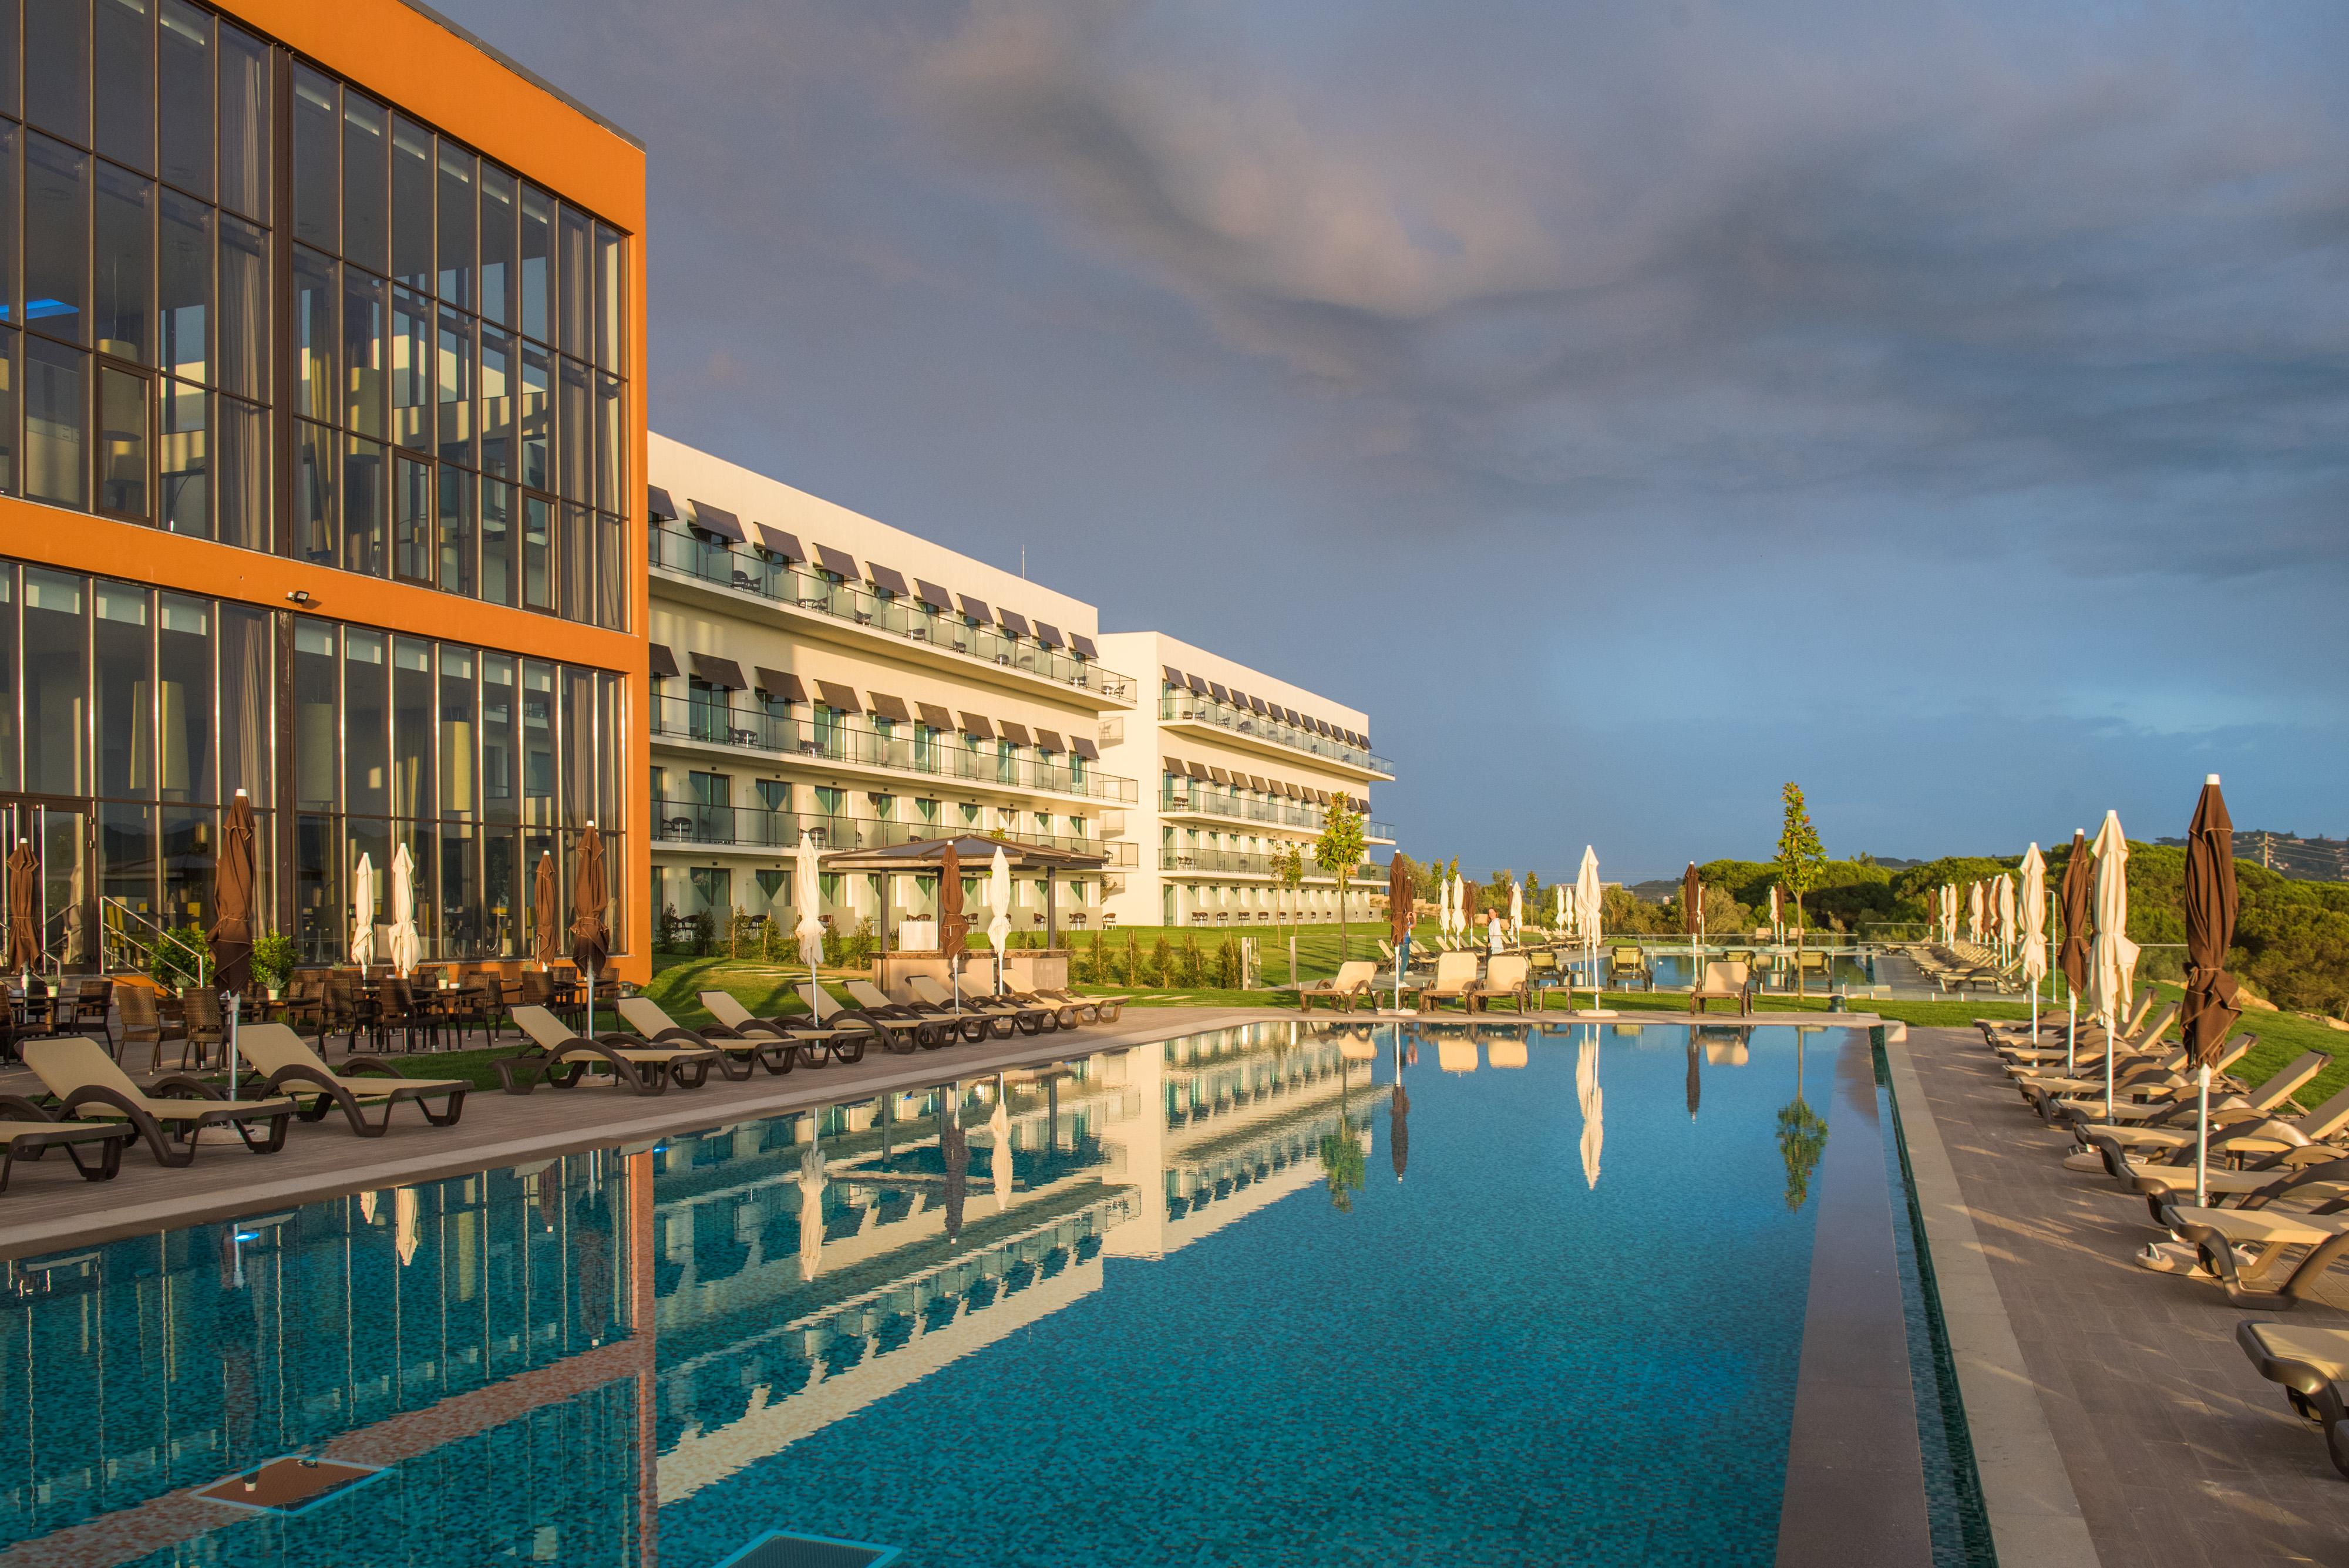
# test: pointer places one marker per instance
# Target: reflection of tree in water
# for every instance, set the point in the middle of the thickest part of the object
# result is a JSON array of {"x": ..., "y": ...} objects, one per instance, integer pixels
[
  {"x": 1342, "y": 1162},
  {"x": 1802, "y": 1138}
]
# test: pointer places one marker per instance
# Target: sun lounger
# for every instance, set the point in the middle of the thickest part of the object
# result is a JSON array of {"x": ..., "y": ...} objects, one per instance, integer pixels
[
  {"x": 2062, "y": 1101},
  {"x": 737, "y": 1053},
  {"x": 813, "y": 1041},
  {"x": 871, "y": 999},
  {"x": 2270, "y": 1235},
  {"x": 1505, "y": 975},
  {"x": 1105, "y": 1008},
  {"x": 1627, "y": 965},
  {"x": 1724, "y": 982},
  {"x": 89, "y": 1086},
  {"x": 28, "y": 1132},
  {"x": 287, "y": 1066},
  {"x": 2017, "y": 1032},
  {"x": 2089, "y": 1041},
  {"x": 2314, "y": 1173},
  {"x": 2313, "y": 1366},
  {"x": 2172, "y": 1113},
  {"x": 976, "y": 1016},
  {"x": 561, "y": 1058},
  {"x": 1345, "y": 989},
  {"x": 902, "y": 1035},
  {"x": 1455, "y": 981}
]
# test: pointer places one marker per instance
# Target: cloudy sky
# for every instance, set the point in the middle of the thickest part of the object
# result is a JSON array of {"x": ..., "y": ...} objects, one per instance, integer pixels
[{"x": 1630, "y": 405}]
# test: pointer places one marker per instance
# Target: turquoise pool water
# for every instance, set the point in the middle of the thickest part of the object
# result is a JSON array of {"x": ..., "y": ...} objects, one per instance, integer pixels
[{"x": 1272, "y": 1295}]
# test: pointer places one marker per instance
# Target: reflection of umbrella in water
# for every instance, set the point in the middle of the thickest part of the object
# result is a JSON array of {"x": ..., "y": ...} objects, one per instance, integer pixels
[
  {"x": 1399, "y": 1129},
  {"x": 1695, "y": 1077},
  {"x": 957, "y": 1153},
  {"x": 999, "y": 1158},
  {"x": 366, "y": 1207},
  {"x": 403, "y": 1210},
  {"x": 1594, "y": 1109},
  {"x": 812, "y": 1169}
]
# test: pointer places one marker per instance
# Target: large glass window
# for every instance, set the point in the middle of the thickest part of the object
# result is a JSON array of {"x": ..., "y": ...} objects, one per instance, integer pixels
[
  {"x": 457, "y": 226},
  {"x": 184, "y": 721},
  {"x": 125, "y": 82},
  {"x": 412, "y": 254},
  {"x": 56, "y": 421},
  {"x": 183, "y": 279},
  {"x": 183, "y": 97},
  {"x": 366, "y": 183},
  {"x": 124, "y": 420},
  {"x": 182, "y": 460},
  {"x": 57, "y": 685},
  {"x": 56, "y": 238},
  {"x": 245, "y": 335},
  {"x": 317, "y": 159},
  {"x": 56, "y": 66},
  {"x": 537, "y": 278},
  {"x": 122, "y": 271},
  {"x": 244, "y": 121}
]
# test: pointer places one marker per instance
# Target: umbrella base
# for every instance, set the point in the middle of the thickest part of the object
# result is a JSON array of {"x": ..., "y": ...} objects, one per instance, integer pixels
[{"x": 1596, "y": 1012}]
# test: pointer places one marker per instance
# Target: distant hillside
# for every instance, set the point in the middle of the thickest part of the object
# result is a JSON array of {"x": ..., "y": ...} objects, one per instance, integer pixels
[{"x": 2289, "y": 855}]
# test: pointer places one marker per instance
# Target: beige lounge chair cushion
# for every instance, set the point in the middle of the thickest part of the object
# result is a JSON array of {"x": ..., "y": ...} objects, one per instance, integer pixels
[
  {"x": 1505, "y": 972},
  {"x": 547, "y": 1031},
  {"x": 1455, "y": 972},
  {"x": 271, "y": 1047},
  {"x": 2267, "y": 1227},
  {"x": 65, "y": 1063},
  {"x": 1351, "y": 975},
  {"x": 2325, "y": 1349}
]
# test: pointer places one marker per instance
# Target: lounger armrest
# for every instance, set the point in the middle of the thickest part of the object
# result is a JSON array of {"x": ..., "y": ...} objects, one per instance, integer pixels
[
  {"x": 299, "y": 1072},
  {"x": 2331, "y": 1171},
  {"x": 179, "y": 1086},
  {"x": 96, "y": 1094},
  {"x": 16, "y": 1107},
  {"x": 368, "y": 1068}
]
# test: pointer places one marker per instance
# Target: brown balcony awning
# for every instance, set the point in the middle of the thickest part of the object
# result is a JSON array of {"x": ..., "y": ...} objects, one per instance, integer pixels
[
  {"x": 1324, "y": 795},
  {"x": 1197, "y": 770},
  {"x": 1256, "y": 784},
  {"x": 1050, "y": 741},
  {"x": 976, "y": 609},
  {"x": 889, "y": 708},
  {"x": 1294, "y": 792},
  {"x": 1013, "y": 622},
  {"x": 1174, "y": 676},
  {"x": 780, "y": 683},
  {"x": 1219, "y": 776},
  {"x": 1084, "y": 645},
  {"x": 1257, "y": 703},
  {"x": 1238, "y": 699},
  {"x": 663, "y": 662},
  {"x": 930, "y": 594},
  {"x": 658, "y": 505},
  {"x": 1217, "y": 692},
  {"x": 839, "y": 563},
  {"x": 978, "y": 728},
  {"x": 1290, "y": 714},
  {"x": 888, "y": 577},
  {"x": 936, "y": 717},
  {"x": 718, "y": 672},
  {"x": 1174, "y": 766},
  {"x": 777, "y": 543},
  {"x": 841, "y": 697},
  {"x": 1015, "y": 734},
  {"x": 716, "y": 520},
  {"x": 1198, "y": 686},
  {"x": 1084, "y": 748},
  {"x": 1049, "y": 636}
]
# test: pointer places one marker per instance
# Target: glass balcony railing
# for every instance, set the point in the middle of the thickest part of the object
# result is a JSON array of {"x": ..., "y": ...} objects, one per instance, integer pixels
[
  {"x": 906, "y": 750},
  {"x": 1198, "y": 710},
  {"x": 1211, "y": 804},
  {"x": 680, "y": 822},
  {"x": 754, "y": 572},
  {"x": 1233, "y": 862}
]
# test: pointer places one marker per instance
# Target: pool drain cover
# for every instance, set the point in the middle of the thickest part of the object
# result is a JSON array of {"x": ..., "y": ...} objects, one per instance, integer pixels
[
  {"x": 291, "y": 1484},
  {"x": 782, "y": 1549}
]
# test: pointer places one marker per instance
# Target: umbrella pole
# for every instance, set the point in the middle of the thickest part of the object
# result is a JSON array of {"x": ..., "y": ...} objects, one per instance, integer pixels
[
  {"x": 2108, "y": 1067},
  {"x": 233, "y": 1002},
  {"x": 2071, "y": 1031},
  {"x": 2202, "y": 1145}
]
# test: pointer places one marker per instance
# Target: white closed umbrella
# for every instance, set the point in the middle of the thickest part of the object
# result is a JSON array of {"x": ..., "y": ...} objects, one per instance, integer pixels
[
  {"x": 2034, "y": 927},
  {"x": 363, "y": 913},
  {"x": 2006, "y": 911},
  {"x": 407, "y": 945},
  {"x": 1517, "y": 913},
  {"x": 1594, "y": 1107},
  {"x": 1773, "y": 911},
  {"x": 2112, "y": 956},
  {"x": 807, "y": 898},
  {"x": 1565, "y": 927},
  {"x": 999, "y": 898},
  {"x": 1590, "y": 901}
]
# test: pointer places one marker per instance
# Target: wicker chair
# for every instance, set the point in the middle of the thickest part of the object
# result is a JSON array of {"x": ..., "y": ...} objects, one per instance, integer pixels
[
  {"x": 143, "y": 1020},
  {"x": 92, "y": 1002},
  {"x": 202, "y": 1026}
]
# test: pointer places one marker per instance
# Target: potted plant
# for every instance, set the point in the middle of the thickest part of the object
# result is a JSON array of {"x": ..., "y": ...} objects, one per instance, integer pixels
[
  {"x": 179, "y": 958},
  {"x": 272, "y": 963}
]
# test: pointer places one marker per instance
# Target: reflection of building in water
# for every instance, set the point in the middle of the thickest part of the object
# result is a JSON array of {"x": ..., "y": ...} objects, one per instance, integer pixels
[
  {"x": 442, "y": 1329},
  {"x": 765, "y": 1341}
]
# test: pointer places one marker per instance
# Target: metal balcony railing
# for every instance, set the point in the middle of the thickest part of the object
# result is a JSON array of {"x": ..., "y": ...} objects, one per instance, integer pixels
[
  {"x": 751, "y": 571},
  {"x": 1188, "y": 705},
  {"x": 1235, "y": 862},
  {"x": 1210, "y": 802},
  {"x": 902, "y": 750},
  {"x": 688, "y": 822}
]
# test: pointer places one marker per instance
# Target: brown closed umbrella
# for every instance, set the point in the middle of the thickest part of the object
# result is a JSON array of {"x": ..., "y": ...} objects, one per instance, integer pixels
[
  {"x": 1467, "y": 905},
  {"x": 1400, "y": 894},
  {"x": 950, "y": 920},
  {"x": 232, "y": 932},
  {"x": 2209, "y": 1009},
  {"x": 1692, "y": 901},
  {"x": 546, "y": 914},
  {"x": 23, "y": 907},
  {"x": 590, "y": 891},
  {"x": 2078, "y": 887}
]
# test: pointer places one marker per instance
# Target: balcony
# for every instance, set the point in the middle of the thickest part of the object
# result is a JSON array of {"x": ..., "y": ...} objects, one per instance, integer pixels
[
  {"x": 911, "y": 750},
  {"x": 1234, "y": 863},
  {"x": 1207, "y": 802},
  {"x": 854, "y": 606},
  {"x": 688, "y": 823},
  {"x": 1247, "y": 725}
]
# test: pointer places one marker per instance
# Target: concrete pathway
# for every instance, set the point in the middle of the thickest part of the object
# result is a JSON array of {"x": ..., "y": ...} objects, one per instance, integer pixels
[{"x": 2177, "y": 1452}]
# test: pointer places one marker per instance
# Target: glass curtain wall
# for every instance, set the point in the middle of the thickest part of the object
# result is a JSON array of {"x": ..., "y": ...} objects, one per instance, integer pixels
[
  {"x": 151, "y": 709},
  {"x": 455, "y": 405}
]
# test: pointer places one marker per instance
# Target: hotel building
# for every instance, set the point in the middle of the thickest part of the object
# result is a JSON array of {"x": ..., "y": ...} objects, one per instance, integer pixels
[
  {"x": 816, "y": 670},
  {"x": 1236, "y": 768},
  {"x": 321, "y": 469}
]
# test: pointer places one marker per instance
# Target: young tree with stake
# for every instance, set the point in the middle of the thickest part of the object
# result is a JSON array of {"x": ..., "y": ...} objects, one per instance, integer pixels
[{"x": 1801, "y": 862}]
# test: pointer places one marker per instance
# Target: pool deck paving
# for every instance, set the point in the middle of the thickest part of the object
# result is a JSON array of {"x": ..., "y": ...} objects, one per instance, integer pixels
[
  {"x": 2114, "y": 1417},
  {"x": 48, "y": 1209}
]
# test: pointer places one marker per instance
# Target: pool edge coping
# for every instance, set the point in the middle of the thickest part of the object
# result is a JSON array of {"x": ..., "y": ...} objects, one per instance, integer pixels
[{"x": 2035, "y": 1514}]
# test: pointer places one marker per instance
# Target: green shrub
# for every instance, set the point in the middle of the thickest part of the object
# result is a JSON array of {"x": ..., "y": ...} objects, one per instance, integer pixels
[
  {"x": 1133, "y": 974},
  {"x": 1097, "y": 960},
  {"x": 179, "y": 957},
  {"x": 273, "y": 960},
  {"x": 1226, "y": 969},
  {"x": 1194, "y": 961},
  {"x": 1162, "y": 962}
]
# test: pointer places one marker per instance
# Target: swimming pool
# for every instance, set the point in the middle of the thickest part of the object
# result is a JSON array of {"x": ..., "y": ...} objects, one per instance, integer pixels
[{"x": 1458, "y": 1292}]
